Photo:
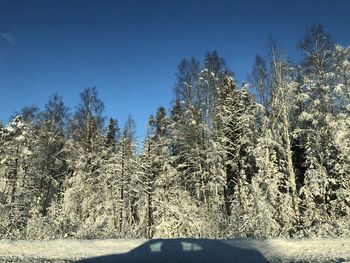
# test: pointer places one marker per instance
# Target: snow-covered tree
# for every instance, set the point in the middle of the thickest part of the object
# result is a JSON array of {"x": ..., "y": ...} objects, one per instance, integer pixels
[
  {"x": 113, "y": 134},
  {"x": 321, "y": 177},
  {"x": 283, "y": 91},
  {"x": 49, "y": 162},
  {"x": 236, "y": 123},
  {"x": 16, "y": 181},
  {"x": 83, "y": 205},
  {"x": 225, "y": 162},
  {"x": 127, "y": 195}
]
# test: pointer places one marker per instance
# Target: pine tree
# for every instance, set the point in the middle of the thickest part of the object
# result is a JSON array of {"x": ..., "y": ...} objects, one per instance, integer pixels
[
  {"x": 156, "y": 182},
  {"x": 113, "y": 134},
  {"x": 235, "y": 118}
]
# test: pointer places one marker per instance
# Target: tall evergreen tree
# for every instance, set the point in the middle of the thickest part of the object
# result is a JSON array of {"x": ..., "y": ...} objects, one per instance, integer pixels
[
  {"x": 236, "y": 120},
  {"x": 113, "y": 134}
]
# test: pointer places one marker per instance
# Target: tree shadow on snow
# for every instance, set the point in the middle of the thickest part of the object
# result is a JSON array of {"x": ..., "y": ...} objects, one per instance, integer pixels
[{"x": 184, "y": 250}]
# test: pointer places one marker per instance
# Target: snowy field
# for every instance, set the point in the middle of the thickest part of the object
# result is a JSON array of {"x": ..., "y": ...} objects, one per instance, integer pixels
[{"x": 234, "y": 250}]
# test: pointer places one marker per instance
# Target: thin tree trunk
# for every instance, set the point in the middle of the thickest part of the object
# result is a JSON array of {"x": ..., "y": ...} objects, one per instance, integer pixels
[{"x": 291, "y": 172}]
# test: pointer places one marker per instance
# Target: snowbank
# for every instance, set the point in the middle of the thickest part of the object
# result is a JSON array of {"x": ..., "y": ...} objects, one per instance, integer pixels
[{"x": 274, "y": 250}]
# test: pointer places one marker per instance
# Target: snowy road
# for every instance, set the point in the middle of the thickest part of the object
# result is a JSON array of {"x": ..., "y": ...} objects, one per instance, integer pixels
[{"x": 269, "y": 250}]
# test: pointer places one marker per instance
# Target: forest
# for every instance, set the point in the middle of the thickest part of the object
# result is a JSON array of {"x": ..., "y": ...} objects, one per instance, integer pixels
[{"x": 270, "y": 158}]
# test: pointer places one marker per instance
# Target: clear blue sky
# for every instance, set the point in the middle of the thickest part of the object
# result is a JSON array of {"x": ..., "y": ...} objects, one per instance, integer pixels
[{"x": 130, "y": 49}]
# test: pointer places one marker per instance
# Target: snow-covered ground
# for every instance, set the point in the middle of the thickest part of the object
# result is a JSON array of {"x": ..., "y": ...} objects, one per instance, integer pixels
[{"x": 273, "y": 250}]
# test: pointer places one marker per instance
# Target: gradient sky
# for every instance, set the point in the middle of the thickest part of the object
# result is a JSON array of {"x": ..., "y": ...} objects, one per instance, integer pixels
[{"x": 130, "y": 50}]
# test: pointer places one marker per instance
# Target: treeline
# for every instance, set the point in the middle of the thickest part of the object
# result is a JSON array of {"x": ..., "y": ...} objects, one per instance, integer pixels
[{"x": 222, "y": 162}]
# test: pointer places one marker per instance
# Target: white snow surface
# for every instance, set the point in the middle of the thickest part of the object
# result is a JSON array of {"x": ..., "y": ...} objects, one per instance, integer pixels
[
  {"x": 72, "y": 249},
  {"x": 274, "y": 250}
]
